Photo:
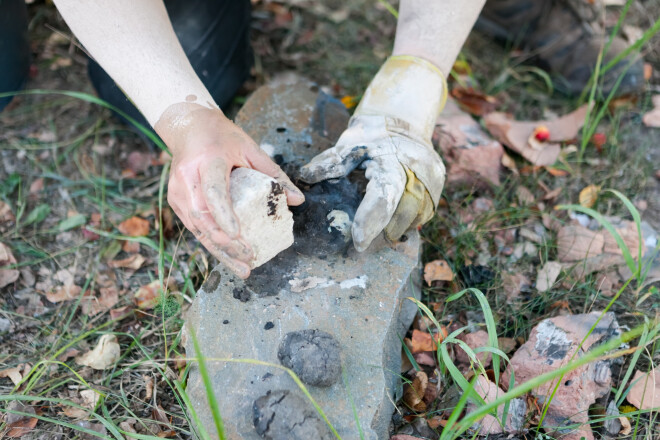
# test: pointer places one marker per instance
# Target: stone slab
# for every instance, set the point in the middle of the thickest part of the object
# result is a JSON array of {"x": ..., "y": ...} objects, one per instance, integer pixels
[{"x": 358, "y": 298}]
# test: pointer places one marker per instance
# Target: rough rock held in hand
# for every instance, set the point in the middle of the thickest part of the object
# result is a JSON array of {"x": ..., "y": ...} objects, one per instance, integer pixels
[
  {"x": 554, "y": 343},
  {"x": 260, "y": 205},
  {"x": 305, "y": 294}
]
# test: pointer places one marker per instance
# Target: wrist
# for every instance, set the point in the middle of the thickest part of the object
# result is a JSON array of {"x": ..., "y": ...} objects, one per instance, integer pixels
[
  {"x": 409, "y": 89},
  {"x": 182, "y": 121}
]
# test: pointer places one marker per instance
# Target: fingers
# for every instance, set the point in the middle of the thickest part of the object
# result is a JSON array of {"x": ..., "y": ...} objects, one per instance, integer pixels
[
  {"x": 387, "y": 181},
  {"x": 334, "y": 163},
  {"x": 261, "y": 162},
  {"x": 414, "y": 208},
  {"x": 215, "y": 187}
]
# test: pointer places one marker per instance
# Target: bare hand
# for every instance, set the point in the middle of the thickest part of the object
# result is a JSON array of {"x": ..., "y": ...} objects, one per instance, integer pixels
[{"x": 206, "y": 147}]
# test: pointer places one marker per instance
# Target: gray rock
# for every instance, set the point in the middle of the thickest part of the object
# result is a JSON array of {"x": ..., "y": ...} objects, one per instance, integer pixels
[
  {"x": 313, "y": 355},
  {"x": 359, "y": 298},
  {"x": 282, "y": 415}
]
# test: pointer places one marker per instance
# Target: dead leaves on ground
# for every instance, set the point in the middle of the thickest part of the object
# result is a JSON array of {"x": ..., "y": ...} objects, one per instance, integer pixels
[
  {"x": 19, "y": 420},
  {"x": 652, "y": 118},
  {"x": 437, "y": 270},
  {"x": 8, "y": 275},
  {"x": 103, "y": 356},
  {"x": 517, "y": 134}
]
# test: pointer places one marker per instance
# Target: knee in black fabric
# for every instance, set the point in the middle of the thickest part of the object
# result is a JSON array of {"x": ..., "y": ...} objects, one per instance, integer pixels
[
  {"x": 14, "y": 48},
  {"x": 214, "y": 34}
]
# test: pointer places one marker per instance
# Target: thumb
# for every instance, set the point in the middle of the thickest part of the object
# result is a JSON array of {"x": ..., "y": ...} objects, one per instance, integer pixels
[{"x": 333, "y": 163}]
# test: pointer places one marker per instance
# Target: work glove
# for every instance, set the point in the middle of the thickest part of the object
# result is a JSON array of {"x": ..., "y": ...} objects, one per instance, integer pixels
[{"x": 389, "y": 135}]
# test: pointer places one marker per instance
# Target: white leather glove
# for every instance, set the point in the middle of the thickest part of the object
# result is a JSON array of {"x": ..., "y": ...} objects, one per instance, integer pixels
[{"x": 390, "y": 135}]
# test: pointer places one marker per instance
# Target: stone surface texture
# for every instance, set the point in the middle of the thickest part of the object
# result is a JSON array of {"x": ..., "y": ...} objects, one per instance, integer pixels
[
  {"x": 313, "y": 355},
  {"x": 358, "y": 298},
  {"x": 553, "y": 343},
  {"x": 260, "y": 205},
  {"x": 489, "y": 425}
]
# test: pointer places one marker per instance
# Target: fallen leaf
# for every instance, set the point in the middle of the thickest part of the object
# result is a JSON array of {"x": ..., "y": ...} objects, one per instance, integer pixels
[
  {"x": 471, "y": 156},
  {"x": 524, "y": 196},
  {"x": 7, "y": 276},
  {"x": 509, "y": 163},
  {"x": 63, "y": 293},
  {"x": 148, "y": 386},
  {"x": 68, "y": 354},
  {"x": 133, "y": 262},
  {"x": 513, "y": 283},
  {"x": 516, "y": 134},
  {"x": 553, "y": 194},
  {"x": 104, "y": 355},
  {"x": 37, "y": 186},
  {"x": 413, "y": 393},
  {"x": 576, "y": 243},
  {"x": 73, "y": 412},
  {"x": 107, "y": 298},
  {"x": 159, "y": 414},
  {"x": 134, "y": 227},
  {"x": 652, "y": 118},
  {"x": 14, "y": 374},
  {"x": 147, "y": 296},
  {"x": 422, "y": 341},
  {"x": 556, "y": 172},
  {"x": 645, "y": 390},
  {"x": 648, "y": 71},
  {"x": 437, "y": 270},
  {"x": 6, "y": 216},
  {"x": 130, "y": 247},
  {"x": 120, "y": 313},
  {"x": 589, "y": 195},
  {"x": 89, "y": 398},
  {"x": 507, "y": 345},
  {"x": 473, "y": 101},
  {"x": 547, "y": 275},
  {"x": 17, "y": 425}
]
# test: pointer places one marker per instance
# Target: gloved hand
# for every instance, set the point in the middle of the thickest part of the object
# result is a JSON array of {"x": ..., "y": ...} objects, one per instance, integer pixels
[
  {"x": 206, "y": 146},
  {"x": 390, "y": 135}
]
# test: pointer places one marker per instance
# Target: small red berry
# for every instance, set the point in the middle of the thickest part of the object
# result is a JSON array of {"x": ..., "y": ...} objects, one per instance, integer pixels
[{"x": 541, "y": 133}]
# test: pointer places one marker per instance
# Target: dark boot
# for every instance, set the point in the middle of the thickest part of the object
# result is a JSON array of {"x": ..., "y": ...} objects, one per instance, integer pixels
[{"x": 564, "y": 39}]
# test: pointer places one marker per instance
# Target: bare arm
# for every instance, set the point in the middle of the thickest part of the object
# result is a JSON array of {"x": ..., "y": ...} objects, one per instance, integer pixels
[
  {"x": 435, "y": 30},
  {"x": 135, "y": 43},
  {"x": 133, "y": 40}
]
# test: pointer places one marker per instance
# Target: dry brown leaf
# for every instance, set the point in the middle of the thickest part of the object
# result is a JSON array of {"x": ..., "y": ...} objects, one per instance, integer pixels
[
  {"x": 149, "y": 387},
  {"x": 89, "y": 398},
  {"x": 14, "y": 374},
  {"x": 508, "y": 162},
  {"x": 159, "y": 414},
  {"x": 576, "y": 243},
  {"x": 37, "y": 186},
  {"x": 629, "y": 235},
  {"x": 471, "y": 156},
  {"x": 437, "y": 270},
  {"x": 133, "y": 262},
  {"x": 18, "y": 425},
  {"x": 515, "y": 134},
  {"x": 63, "y": 293},
  {"x": 70, "y": 353},
  {"x": 107, "y": 298},
  {"x": 134, "y": 227},
  {"x": 626, "y": 428},
  {"x": 422, "y": 341},
  {"x": 553, "y": 194},
  {"x": 74, "y": 413},
  {"x": 645, "y": 390},
  {"x": 652, "y": 118},
  {"x": 130, "y": 247},
  {"x": 120, "y": 313},
  {"x": 589, "y": 195},
  {"x": 7, "y": 276},
  {"x": 507, "y": 345},
  {"x": 104, "y": 355},
  {"x": 147, "y": 296},
  {"x": 524, "y": 196},
  {"x": 547, "y": 275},
  {"x": 474, "y": 101},
  {"x": 513, "y": 283},
  {"x": 413, "y": 394}
]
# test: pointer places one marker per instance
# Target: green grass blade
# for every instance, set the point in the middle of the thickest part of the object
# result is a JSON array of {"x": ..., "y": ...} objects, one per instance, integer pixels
[{"x": 210, "y": 395}]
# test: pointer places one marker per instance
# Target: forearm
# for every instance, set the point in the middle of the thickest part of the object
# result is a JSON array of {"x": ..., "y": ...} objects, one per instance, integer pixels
[
  {"x": 135, "y": 43},
  {"x": 435, "y": 30}
]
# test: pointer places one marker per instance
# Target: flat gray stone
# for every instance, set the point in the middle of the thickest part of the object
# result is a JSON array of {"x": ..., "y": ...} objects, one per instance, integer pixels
[{"x": 357, "y": 298}]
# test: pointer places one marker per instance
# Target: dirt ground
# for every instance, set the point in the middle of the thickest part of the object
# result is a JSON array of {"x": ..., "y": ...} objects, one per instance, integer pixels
[{"x": 85, "y": 228}]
